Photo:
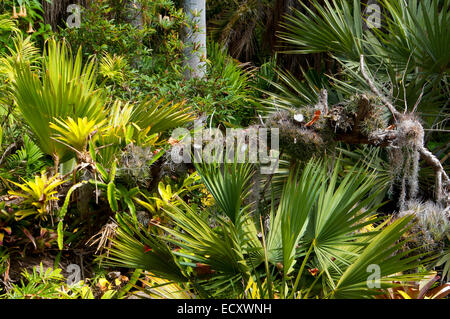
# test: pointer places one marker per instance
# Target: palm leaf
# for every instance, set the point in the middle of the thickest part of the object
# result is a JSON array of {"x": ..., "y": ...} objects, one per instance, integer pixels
[
  {"x": 134, "y": 250},
  {"x": 382, "y": 252},
  {"x": 66, "y": 89},
  {"x": 296, "y": 203}
]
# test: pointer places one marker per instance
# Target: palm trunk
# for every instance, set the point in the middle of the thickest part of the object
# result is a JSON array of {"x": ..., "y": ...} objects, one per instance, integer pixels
[
  {"x": 135, "y": 14},
  {"x": 55, "y": 12},
  {"x": 195, "y": 39}
]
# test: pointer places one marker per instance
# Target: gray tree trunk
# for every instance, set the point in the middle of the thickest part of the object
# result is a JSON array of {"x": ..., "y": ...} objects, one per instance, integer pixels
[
  {"x": 195, "y": 39},
  {"x": 55, "y": 12},
  {"x": 135, "y": 14}
]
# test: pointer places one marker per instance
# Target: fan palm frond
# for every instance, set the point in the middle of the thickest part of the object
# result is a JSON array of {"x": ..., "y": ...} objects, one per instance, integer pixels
[
  {"x": 66, "y": 89},
  {"x": 382, "y": 254},
  {"x": 229, "y": 184},
  {"x": 335, "y": 27},
  {"x": 132, "y": 249},
  {"x": 286, "y": 224},
  {"x": 160, "y": 116}
]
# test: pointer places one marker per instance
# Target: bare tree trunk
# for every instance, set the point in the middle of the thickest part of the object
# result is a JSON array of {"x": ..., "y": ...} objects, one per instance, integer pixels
[
  {"x": 135, "y": 14},
  {"x": 55, "y": 13},
  {"x": 195, "y": 39}
]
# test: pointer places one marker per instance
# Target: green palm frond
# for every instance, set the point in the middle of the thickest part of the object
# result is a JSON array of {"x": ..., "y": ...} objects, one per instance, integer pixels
[
  {"x": 236, "y": 77},
  {"x": 288, "y": 93},
  {"x": 131, "y": 248},
  {"x": 219, "y": 249},
  {"x": 229, "y": 184},
  {"x": 66, "y": 88},
  {"x": 324, "y": 219},
  {"x": 372, "y": 158},
  {"x": 341, "y": 210},
  {"x": 335, "y": 27},
  {"x": 286, "y": 224},
  {"x": 417, "y": 31},
  {"x": 382, "y": 252},
  {"x": 160, "y": 116},
  {"x": 410, "y": 51},
  {"x": 29, "y": 156}
]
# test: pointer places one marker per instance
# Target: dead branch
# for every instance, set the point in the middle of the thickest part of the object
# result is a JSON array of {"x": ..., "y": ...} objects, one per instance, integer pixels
[
  {"x": 7, "y": 152},
  {"x": 375, "y": 90},
  {"x": 442, "y": 180}
]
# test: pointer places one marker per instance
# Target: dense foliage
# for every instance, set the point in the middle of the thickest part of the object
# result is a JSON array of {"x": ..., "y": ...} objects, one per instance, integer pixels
[{"x": 87, "y": 170}]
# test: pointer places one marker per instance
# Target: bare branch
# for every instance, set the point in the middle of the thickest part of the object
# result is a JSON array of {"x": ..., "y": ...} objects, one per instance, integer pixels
[
  {"x": 374, "y": 89},
  {"x": 441, "y": 176},
  {"x": 7, "y": 152},
  {"x": 419, "y": 99}
]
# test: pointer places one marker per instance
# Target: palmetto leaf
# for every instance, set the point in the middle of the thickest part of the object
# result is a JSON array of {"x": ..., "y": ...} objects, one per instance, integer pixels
[
  {"x": 202, "y": 244},
  {"x": 289, "y": 93},
  {"x": 299, "y": 196},
  {"x": 323, "y": 214},
  {"x": 23, "y": 53},
  {"x": 160, "y": 116},
  {"x": 229, "y": 184},
  {"x": 133, "y": 249},
  {"x": 410, "y": 52},
  {"x": 66, "y": 89},
  {"x": 339, "y": 212},
  {"x": 336, "y": 27},
  {"x": 418, "y": 29},
  {"x": 383, "y": 253}
]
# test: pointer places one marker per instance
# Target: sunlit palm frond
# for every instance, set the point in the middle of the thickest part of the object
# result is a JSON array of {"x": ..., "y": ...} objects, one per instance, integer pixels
[
  {"x": 113, "y": 67},
  {"x": 333, "y": 27},
  {"x": 161, "y": 116},
  {"x": 67, "y": 88},
  {"x": 286, "y": 224},
  {"x": 133, "y": 249},
  {"x": 381, "y": 255},
  {"x": 7, "y": 24},
  {"x": 24, "y": 52}
]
